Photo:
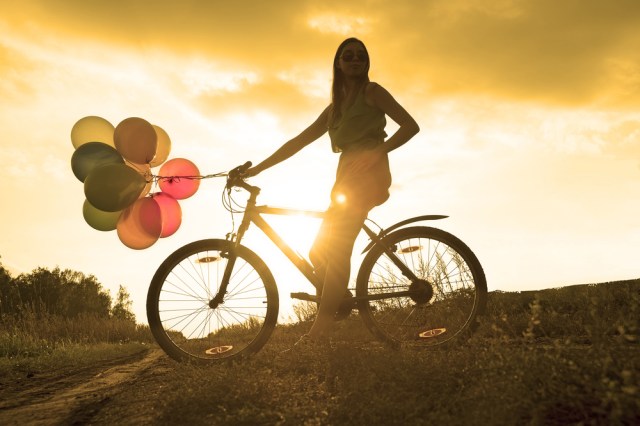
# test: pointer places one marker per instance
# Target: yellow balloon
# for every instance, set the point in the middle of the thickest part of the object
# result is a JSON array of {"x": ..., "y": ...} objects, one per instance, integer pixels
[
  {"x": 163, "y": 149},
  {"x": 92, "y": 129}
]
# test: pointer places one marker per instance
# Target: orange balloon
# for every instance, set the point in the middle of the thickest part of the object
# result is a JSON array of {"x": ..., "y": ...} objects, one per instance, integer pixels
[
  {"x": 140, "y": 225},
  {"x": 136, "y": 139}
]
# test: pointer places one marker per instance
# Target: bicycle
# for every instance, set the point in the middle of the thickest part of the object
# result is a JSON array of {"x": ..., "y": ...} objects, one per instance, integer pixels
[{"x": 215, "y": 299}]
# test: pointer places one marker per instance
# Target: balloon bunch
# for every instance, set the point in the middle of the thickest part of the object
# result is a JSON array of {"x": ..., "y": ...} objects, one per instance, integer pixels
[{"x": 115, "y": 166}]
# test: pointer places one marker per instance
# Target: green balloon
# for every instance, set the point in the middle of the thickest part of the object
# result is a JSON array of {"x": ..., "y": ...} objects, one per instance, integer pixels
[
  {"x": 92, "y": 155},
  {"x": 97, "y": 219},
  {"x": 113, "y": 187}
]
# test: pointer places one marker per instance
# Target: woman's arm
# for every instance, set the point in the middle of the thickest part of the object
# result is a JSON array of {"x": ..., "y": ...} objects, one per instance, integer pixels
[
  {"x": 291, "y": 147},
  {"x": 378, "y": 96}
]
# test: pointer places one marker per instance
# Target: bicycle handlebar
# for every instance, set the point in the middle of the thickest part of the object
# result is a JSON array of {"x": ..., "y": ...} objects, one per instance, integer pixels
[
  {"x": 236, "y": 178},
  {"x": 239, "y": 171}
]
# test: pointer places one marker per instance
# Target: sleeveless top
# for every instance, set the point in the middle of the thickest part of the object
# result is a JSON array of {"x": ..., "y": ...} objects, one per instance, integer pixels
[{"x": 360, "y": 126}]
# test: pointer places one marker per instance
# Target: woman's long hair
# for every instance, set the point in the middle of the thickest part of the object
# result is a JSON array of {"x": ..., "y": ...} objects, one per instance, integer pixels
[{"x": 337, "y": 88}]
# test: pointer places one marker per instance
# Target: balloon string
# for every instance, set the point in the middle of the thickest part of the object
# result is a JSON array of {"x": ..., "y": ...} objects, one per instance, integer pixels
[{"x": 193, "y": 177}]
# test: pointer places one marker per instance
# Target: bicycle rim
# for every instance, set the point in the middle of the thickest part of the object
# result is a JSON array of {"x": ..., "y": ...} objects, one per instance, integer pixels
[
  {"x": 449, "y": 295},
  {"x": 184, "y": 322}
]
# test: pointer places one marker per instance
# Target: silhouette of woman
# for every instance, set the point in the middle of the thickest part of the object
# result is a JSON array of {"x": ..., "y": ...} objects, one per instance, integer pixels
[{"x": 355, "y": 120}]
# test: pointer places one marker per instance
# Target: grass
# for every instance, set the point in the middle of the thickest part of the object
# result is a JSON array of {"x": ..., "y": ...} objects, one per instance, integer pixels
[
  {"x": 32, "y": 335},
  {"x": 32, "y": 343},
  {"x": 65, "y": 357},
  {"x": 560, "y": 356},
  {"x": 556, "y": 357},
  {"x": 480, "y": 383}
]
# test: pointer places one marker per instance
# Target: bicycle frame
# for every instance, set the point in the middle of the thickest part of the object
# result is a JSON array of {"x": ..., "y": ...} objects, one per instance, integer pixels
[{"x": 253, "y": 214}]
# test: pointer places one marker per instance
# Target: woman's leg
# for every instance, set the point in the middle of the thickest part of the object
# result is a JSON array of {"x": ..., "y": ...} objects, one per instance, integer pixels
[
  {"x": 318, "y": 252},
  {"x": 333, "y": 251}
]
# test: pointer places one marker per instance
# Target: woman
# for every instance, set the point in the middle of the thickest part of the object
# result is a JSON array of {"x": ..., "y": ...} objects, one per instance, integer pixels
[{"x": 355, "y": 121}]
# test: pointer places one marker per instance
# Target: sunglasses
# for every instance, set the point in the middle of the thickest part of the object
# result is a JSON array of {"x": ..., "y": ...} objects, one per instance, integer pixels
[{"x": 350, "y": 56}]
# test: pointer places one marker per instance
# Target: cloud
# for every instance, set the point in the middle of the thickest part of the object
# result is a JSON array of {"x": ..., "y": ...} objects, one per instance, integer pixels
[
  {"x": 344, "y": 25},
  {"x": 552, "y": 52},
  {"x": 562, "y": 53},
  {"x": 280, "y": 96}
]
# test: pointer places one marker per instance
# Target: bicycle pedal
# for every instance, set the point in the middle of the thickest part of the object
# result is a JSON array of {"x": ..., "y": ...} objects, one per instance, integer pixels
[{"x": 305, "y": 296}]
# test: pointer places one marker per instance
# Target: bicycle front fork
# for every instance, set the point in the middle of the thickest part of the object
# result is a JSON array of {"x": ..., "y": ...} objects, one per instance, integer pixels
[{"x": 231, "y": 257}]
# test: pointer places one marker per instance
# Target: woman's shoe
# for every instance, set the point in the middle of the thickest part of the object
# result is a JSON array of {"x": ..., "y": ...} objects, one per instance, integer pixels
[{"x": 347, "y": 304}]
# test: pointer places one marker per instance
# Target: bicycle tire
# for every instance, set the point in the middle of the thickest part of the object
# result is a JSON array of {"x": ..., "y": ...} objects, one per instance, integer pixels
[
  {"x": 181, "y": 319},
  {"x": 452, "y": 290}
]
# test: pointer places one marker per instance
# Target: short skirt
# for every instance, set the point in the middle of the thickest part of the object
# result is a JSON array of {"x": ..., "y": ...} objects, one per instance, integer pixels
[{"x": 364, "y": 189}]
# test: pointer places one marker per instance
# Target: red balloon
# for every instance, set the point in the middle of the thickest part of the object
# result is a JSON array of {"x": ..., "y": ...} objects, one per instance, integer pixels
[
  {"x": 140, "y": 224},
  {"x": 170, "y": 212},
  {"x": 175, "y": 178},
  {"x": 136, "y": 139}
]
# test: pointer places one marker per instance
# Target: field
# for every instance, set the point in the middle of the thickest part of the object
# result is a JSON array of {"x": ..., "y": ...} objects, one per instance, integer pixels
[{"x": 560, "y": 356}]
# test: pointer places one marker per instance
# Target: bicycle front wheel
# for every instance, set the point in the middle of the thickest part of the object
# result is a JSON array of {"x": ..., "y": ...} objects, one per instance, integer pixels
[
  {"x": 444, "y": 301},
  {"x": 187, "y": 319}
]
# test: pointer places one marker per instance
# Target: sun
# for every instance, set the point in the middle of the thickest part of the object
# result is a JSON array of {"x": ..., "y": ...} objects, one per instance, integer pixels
[
  {"x": 298, "y": 231},
  {"x": 307, "y": 196}
]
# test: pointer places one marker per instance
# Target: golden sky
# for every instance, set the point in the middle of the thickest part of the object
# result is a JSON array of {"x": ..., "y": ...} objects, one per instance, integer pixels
[{"x": 529, "y": 110}]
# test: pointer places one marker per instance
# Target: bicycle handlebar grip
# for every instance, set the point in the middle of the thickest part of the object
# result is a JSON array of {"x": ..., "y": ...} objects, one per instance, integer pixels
[
  {"x": 242, "y": 169},
  {"x": 236, "y": 178}
]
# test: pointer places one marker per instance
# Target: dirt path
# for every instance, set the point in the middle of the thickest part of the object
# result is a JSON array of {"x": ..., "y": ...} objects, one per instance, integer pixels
[{"x": 101, "y": 394}]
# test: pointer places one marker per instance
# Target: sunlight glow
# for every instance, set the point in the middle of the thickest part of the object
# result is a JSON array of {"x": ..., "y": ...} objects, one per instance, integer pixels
[{"x": 299, "y": 231}]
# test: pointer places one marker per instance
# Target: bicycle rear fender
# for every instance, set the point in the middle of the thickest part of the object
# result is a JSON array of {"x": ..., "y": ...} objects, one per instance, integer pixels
[{"x": 386, "y": 231}]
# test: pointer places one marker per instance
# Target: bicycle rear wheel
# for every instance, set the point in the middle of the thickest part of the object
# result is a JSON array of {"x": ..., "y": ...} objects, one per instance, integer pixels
[
  {"x": 189, "y": 326},
  {"x": 444, "y": 303}
]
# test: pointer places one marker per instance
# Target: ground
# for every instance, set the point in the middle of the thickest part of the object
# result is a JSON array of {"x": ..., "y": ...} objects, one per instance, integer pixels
[{"x": 120, "y": 391}]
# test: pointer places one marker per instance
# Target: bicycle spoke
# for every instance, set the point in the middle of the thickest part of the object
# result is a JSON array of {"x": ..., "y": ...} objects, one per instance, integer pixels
[
  {"x": 440, "y": 262},
  {"x": 187, "y": 320}
]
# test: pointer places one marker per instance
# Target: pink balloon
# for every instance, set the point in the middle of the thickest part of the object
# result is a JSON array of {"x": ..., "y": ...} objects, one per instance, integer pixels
[
  {"x": 174, "y": 182},
  {"x": 140, "y": 224},
  {"x": 170, "y": 212}
]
